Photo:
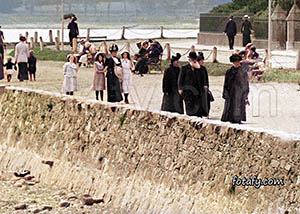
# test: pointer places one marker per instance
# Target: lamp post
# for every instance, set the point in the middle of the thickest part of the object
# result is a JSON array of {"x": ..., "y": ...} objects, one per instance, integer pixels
[
  {"x": 62, "y": 24},
  {"x": 269, "y": 34}
]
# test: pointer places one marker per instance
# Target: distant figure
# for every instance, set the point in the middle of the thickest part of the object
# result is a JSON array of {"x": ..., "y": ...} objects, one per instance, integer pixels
[
  {"x": 172, "y": 100},
  {"x": 1, "y": 62},
  {"x": 9, "y": 69},
  {"x": 246, "y": 30},
  {"x": 74, "y": 31},
  {"x": 231, "y": 31},
  {"x": 155, "y": 50},
  {"x": 70, "y": 70},
  {"x": 21, "y": 58},
  {"x": 235, "y": 93},
  {"x": 32, "y": 66},
  {"x": 99, "y": 75},
  {"x": 1, "y": 36},
  {"x": 127, "y": 66}
]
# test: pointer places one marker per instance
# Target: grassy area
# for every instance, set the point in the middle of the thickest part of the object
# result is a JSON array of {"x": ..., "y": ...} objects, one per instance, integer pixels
[
  {"x": 48, "y": 54},
  {"x": 281, "y": 75}
]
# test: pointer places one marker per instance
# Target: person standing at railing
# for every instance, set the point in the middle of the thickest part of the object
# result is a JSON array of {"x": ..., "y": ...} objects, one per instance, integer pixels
[
  {"x": 1, "y": 36},
  {"x": 246, "y": 30},
  {"x": 74, "y": 31},
  {"x": 231, "y": 31},
  {"x": 1, "y": 62}
]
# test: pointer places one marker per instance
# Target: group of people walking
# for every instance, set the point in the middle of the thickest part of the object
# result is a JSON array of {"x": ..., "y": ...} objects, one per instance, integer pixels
[
  {"x": 110, "y": 73},
  {"x": 189, "y": 85},
  {"x": 231, "y": 31},
  {"x": 25, "y": 62}
]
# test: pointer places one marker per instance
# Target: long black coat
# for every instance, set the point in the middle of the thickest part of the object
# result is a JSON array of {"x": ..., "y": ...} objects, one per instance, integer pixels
[
  {"x": 191, "y": 82},
  {"x": 74, "y": 31},
  {"x": 204, "y": 98},
  {"x": 230, "y": 29},
  {"x": 236, "y": 89},
  {"x": 246, "y": 30},
  {"x": 172, "y": 101},
  {"x": 1, "y": 62},
  {"x": 113, "y": 82}
]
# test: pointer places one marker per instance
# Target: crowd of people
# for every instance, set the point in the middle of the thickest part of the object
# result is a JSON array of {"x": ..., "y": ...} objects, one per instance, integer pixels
[{"x": 25, "y": 62}]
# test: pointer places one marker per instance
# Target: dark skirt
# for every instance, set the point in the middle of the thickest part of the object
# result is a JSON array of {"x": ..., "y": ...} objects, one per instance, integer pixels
[
  {"x": 113, "y": 89},
  {"x": 172, "y": 102},
  {"x": 246, "y": 39},
  {"x": 23, "y": 71},
  {"x": 1, "y": 69}
]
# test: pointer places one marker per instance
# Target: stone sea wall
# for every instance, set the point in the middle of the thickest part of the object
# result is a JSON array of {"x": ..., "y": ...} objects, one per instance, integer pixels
[{"x": 145, "y": 162}]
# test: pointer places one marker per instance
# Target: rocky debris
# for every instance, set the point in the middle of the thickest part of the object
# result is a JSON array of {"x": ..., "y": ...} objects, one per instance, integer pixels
[
  {"x": 21, "y": 207},
  {"x": 20, "y": 183},
  {"x": 64, "y": 204},
  {"x": 50, "y": 163},
  {"x": 37, "y": 210},
  {"x": 86, "y": 199},
  {"x": 49, "y": 208},
  {"x": 22, "y": 174}
]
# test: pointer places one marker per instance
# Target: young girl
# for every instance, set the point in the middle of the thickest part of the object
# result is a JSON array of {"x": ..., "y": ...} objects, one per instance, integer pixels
[
  {"x": 99, "y": 77},
  {"x": 127, "y": 66},
  {"x": 31, "y": 65},
  {"x": 9, "y": 69},
  {"x": 70, "y": 71}
]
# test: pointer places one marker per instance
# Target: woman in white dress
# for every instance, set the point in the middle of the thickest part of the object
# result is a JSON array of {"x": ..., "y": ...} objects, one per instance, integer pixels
[
  {"x": 70, "y": 71},
  {"x": 127, "y": 66}
]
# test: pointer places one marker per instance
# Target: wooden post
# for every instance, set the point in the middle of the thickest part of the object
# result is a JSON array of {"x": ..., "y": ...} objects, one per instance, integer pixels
[
  {"x": 51, "y": 36},
  {"x": 105, "y": 48},
  {"x": 123, "y": 32},
  {"x": 215, "y": 54},
  {"x": 74, "y": 41},
  {"x": 26, "y": 36},
  {"x": 41, "y": 44},
  {"x": 162, "y": 32},
  {"x": 57, "y": 43},
  {"x": 32, "y": 42},
  {"x": 128, "y": 47},
  {"x": 168, "y": 51},
  {"x": 35, "y": 37},
  {"x": 88, "y": 34},
  {"x": 58, "y": 35},
  {"x": 297, "y": 61}
]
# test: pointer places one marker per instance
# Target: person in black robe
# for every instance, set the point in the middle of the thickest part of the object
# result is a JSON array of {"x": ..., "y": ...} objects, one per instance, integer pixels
[
  {"x": 1, "y": 62},
  {"x": 172, "y": 100},
  {"x": 205, "y": 94},
  {"x": 1, "y": 36},
  {"x": 190, "y": 84},
  {"x": 74, "y": 31},
  {"x": 113, "y": 82},
  {"x": 235, "y": 93},
  {"x": 32, "y": 66},
  {"x": 246, "y": 30},
  {"x": 230, "y": 31}
]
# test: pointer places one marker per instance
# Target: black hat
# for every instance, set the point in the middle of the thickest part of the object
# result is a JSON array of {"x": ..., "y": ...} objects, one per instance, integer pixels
[
  {"x": 192, "y": 55},
  {"x": 175, "y": 58},
  {"x": 113, "y": 48},
  {"x": 200, "y": 56},
  {"x": 235, "y": 58},
  {"x": 253, "y": 48}
]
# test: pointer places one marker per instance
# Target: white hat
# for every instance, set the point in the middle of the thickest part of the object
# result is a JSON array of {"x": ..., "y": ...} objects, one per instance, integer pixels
[{"x": 246, "y": 16}]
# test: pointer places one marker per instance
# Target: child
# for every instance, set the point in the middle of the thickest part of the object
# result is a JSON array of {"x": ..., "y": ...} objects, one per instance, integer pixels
[
  {"x": 99, "y": 75},
  {"x": 70, "y": 71},
  {"x": 32, "y": 65},
  {"x": 9, "y": 69}
]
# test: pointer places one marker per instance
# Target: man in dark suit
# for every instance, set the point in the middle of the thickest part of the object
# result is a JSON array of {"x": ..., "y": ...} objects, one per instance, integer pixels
[{"x": 231, "y": 31}]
